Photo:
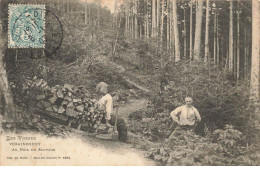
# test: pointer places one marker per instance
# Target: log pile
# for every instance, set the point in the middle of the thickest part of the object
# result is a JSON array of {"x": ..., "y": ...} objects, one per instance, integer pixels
[{"x": 73, "y": 103}]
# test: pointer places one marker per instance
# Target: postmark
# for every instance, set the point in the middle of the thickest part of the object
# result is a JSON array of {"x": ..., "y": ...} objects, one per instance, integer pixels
[
  {"x": 53, "y": 34},
  {"x": 26, "y": 26},
  {"x": 53, "y": 37}
]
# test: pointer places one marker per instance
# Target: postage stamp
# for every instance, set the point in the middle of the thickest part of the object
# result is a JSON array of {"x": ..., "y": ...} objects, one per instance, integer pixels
[{"x": 26, "y": 26}]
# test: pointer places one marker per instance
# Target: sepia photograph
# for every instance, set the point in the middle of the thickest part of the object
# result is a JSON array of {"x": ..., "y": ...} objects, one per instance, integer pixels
[{"x": 129, "y": 82}]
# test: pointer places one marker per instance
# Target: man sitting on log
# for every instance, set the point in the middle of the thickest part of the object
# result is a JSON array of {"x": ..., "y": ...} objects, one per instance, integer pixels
[
  {"x": 110, "y": 118},
  {"x": 185, "y": 116}
]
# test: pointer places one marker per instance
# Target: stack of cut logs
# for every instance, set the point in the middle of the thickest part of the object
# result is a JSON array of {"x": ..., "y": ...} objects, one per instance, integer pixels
[{"x": 72, "y": 102}]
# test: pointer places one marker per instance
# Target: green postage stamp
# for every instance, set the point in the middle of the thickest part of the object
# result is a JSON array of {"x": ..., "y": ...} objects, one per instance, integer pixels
[{"x": 26, "y": 25}]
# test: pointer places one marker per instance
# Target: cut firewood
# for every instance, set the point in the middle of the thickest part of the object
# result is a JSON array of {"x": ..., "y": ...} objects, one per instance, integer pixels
[
  {"x": 40, "y": 97},
  {"x": 49, "y": 109},
  {"x": 55, "y": 108},
  {"x": 53, "y": 99},
  {"x": 76, "y": 100},
  {"x": 70, "y": 104},
  {"x": 80, "y": 108},
  {"x": 60, "y": 94},
  {"x": 70, "y": 112},
  {"x": 68, "y": 98},
  {"x": 39, "y": 105},
  {"x": 45, "y": 104},
  {"x": 65, "y": 102},
  {"x": 61, "y": 110}
]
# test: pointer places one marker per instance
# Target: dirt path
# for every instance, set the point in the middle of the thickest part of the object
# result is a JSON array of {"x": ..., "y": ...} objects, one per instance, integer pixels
[
  {"x": 126, "y": 152},
  {"x": 131, "y": 106}
]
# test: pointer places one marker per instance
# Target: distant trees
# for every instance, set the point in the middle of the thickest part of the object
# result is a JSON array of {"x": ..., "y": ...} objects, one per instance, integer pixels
[{"x": 179, "y": 30}]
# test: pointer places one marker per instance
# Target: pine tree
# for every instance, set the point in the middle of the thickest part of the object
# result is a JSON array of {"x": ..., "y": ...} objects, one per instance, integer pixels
[
  {"x": 176, "y": 31},
  {"x": 199, "y": 14}
]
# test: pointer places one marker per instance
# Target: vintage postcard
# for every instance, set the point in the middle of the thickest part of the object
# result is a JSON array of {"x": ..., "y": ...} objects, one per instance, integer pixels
[{"x": 129, "y": 83}]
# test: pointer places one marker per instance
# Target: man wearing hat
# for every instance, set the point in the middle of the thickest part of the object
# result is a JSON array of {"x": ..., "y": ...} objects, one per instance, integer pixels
[{"x": 107, "y": 102}]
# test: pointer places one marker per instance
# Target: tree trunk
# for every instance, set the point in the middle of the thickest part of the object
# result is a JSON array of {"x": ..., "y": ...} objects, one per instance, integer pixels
[
  {"x": 153, "y": 19},
  {"x": 140, "y": 25},
  {"x": 147, "y": 20},
  {"x": 245, "y": 51},
  {"x": 136, "y": 19},
  {"x": 62, "y": 5},
  {"x": 58, "y": 5},
  {"x": 68, "y": 6},
  {"x": 234, "y": 57},
  {"x": 115, "y": 14},
  {"x": 199, "y": 14},
  {"x": 158, "y": 18},
  {"x": 98, "y": 14},
  {"x": 162, "y": 19},
  {"x": 207, "y": 34},
  {"x": 215, "y": 36},
  {"x": 130, "y": 21},
  {"x": 255, "y": 77},
  {"x": 168, "y": 25},
  {"x": 116, "y": 40},
  {"x": 86, "y": 13},
  {"x": 191, "y": 29},
  {"x": 184, "y": 35},
  {"x": 89, "y": 15},
  {"x": 176, "y": 31},
  {"x": 231, "y": 38},
  {"x": 238, "y": 42},
  {"x": 172, "y": 44},
  {"x": 133, "y": 23},
  {"x": 126, "y": 18},
  {"x": 217, "y": 39},
  {"x": 6, "y": 99}
]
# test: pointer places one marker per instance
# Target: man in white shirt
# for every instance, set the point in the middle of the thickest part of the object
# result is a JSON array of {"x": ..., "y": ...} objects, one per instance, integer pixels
[
  {"x": 185, "y": 116},
  {"x": 109, "y": 119}
]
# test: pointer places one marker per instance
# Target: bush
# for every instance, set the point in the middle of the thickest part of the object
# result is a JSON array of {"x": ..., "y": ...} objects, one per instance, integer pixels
[{"x": 190, "y": 149}]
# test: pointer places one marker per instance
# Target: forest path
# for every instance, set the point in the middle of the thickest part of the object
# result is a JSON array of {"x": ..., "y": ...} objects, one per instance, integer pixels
[{"x": 132, "y": 105}]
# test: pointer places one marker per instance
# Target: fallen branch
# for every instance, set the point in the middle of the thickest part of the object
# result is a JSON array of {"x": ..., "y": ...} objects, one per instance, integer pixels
[{"x": 134, "y": 85}]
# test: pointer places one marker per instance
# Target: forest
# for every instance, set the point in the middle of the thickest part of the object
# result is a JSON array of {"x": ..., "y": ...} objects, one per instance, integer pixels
[{"x": 156, "y": 51}]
